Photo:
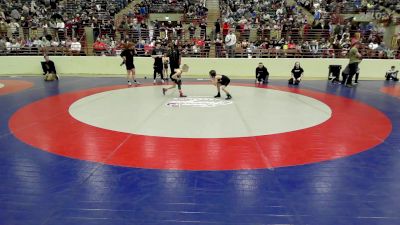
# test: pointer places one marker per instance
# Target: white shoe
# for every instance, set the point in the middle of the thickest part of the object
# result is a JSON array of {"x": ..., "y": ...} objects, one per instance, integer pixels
[
  {"x": 136, "y": 82},
  {"x": 162, "y": 80},
  {"x": 129, "y": 83},
  {"x": 154, "y": 82}
]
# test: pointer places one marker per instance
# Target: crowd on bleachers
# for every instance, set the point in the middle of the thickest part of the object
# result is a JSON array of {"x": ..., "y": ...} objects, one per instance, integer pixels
[
  {"x": 191, "y": 8},
  {"x": 283, "y": 30},
  {"x": 54, "y": 23}
]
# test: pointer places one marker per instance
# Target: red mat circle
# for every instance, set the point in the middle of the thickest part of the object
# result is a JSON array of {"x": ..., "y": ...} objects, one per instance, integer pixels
[
  {"x": 13, "y": 86},
  {"x": 349, "y": 131}
]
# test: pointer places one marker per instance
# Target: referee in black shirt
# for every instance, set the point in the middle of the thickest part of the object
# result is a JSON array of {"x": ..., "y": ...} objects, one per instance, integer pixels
[{"x": 174, "y": 58}]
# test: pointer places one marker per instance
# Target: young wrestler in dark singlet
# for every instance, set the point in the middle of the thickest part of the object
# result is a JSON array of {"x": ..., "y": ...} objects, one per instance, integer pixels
[
  {"x": 221, "y": 82},
  {"x": 177, "y": 79}
]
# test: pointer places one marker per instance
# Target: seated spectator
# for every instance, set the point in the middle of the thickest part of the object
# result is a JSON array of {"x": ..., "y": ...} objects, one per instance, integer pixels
[
  {"x": 245, "y": 44},
  {"x": 313, "y": 47},
  {"x": 55, "y": 42},
  {"x": 99, "y": 45},
  {"x": 291, "y": 45},
  {"x": 262, "y": 74},
  {"x": 392, "y": 74},
  {"x": 195, "y": 49},
  {"x": 3, "y": 27},
  {"x": 297, "y": 74},
  {"x": 14, "y": 27},
  {"x": 2, "y": 45},
  {"x": 75, "y": 47}
]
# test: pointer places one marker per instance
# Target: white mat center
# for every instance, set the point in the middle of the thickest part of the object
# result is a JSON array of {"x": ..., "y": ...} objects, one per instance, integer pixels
[{"x": 251, "y": 112}]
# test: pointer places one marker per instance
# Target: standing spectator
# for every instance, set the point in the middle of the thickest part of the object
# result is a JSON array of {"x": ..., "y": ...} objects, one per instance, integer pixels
[
  {"x": 225, "y": 29},
  {"x": 127, "y": 55},
  {"x": 203, "y": 29},
  {"x": 165, "y": 61},
  {"x": 174, "y": 58},
  {"x": 192, "y": 30},
  {"x": 218, "y": 45},
  {"x": 217, "y": 27},
  {"x": 207, "y": 46},
  {"x": 262, "y": 74},
  {"x": 178, "y": 29},
  {"x": 354, "y": 59},
  {"x": 230, "y": 42},
  {"x": 157, "y": 55},
  {"x": 169, "y": 30}
]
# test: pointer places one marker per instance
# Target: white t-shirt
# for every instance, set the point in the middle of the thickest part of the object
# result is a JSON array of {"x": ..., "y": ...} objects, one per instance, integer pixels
[
  {"x": 76, "y": 46},
  {"x": 230, "y": 39},
  {"x": 60, "y": 25}
]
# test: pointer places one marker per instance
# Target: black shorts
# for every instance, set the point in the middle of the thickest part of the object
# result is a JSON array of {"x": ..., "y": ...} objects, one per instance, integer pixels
[
  {"x": 225, "y": 82},
  {"x": 175, "y": 80},
  {"x": 158, "y": 67},
  {"x": 130, "y": 66}
]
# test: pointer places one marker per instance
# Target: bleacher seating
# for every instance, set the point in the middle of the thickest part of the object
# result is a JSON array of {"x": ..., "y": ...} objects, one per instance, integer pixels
[{"x": 276, "y": 23}]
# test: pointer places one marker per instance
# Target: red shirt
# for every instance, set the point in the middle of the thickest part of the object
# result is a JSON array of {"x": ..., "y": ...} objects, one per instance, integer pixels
[
  {"x": 225, "y": 28},
  {"x": 99, "y": 46}
]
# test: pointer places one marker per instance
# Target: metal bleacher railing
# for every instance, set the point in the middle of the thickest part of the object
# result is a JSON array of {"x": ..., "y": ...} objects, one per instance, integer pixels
[{"x": 200, "y": 49}]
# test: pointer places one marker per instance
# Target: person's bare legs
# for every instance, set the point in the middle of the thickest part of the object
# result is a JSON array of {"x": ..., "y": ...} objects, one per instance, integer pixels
[
  {"x": 129, "y": 77},
  {"x": 228, "y": 95},
  {"x": 218, "y": 89},
  {"x": 173, "y": 86},
  {"x": 164, "y": 90},
  {"x": 223, "y": 88},
  {"x": 133, "y": 71}
]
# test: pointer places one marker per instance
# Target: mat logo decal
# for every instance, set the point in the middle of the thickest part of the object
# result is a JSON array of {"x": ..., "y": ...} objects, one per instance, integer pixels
[{"x": 197, "y": 101}]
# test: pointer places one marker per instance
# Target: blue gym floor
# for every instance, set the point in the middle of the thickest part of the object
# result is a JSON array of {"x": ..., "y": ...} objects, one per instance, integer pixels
[{"x": 41, "y": 188}]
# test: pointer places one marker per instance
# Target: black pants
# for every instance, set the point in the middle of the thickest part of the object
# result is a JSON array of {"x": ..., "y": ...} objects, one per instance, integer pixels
[
  {"x": 357, "y": 74},
  {"x": 173, "y": 66},
  {"x": 334, "y": 72},
  {"x": 158, "y": 69},
  {"x": 263, "y": 78},
  {"x": 293, "y": 81},
  {"x": 392, "y": 76},
  {"x": 353, "y": 67}
]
